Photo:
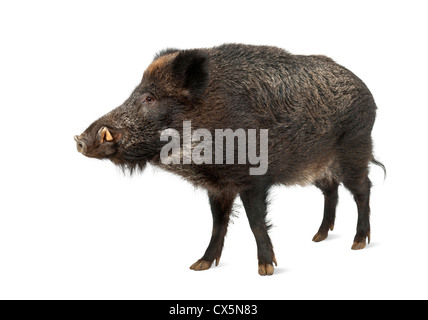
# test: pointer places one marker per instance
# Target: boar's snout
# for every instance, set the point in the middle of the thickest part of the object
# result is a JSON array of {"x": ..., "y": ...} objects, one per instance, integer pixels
[{"x": 81, "y": 145}]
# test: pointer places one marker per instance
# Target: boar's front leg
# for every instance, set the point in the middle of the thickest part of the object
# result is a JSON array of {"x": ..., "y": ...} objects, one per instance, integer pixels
[
  {"x": 255, "y": 204},
  {"x": 221, "y": 207}
]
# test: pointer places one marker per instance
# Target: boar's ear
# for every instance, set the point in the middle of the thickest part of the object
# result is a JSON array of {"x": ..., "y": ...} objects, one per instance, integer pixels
[{"x": 190, "y": 69}]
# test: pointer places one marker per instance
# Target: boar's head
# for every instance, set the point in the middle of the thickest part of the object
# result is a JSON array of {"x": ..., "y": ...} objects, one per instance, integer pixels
[{"x": 129, "y": 135}]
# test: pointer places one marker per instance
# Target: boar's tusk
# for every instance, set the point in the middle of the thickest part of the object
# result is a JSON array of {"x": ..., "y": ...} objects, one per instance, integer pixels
[
  {"x": 105, "y": 134},
  {"x": 108, "y": 135}
]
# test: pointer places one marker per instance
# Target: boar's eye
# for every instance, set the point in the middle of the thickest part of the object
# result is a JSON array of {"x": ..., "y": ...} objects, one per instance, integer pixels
[{"x": 149, "y": 99}]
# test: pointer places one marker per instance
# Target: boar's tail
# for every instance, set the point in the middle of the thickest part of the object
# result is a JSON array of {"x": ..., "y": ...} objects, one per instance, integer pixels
[{"x": 380, "y": 164}]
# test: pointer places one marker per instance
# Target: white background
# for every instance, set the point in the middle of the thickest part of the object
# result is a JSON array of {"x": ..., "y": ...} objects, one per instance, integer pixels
[{"x": 77, "y": 228}]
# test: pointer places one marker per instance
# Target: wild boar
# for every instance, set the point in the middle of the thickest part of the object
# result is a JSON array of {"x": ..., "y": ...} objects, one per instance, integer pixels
[{"x": 309, "y": 118}]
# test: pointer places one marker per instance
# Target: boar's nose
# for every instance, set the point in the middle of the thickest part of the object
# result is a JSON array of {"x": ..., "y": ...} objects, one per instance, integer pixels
[{"x": 81, "y": 145}]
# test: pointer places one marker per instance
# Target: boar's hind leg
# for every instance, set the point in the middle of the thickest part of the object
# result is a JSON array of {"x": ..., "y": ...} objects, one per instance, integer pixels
[
  {"x": 329, "y": 189},
  {"x": 254, "y": 201},
  {"x": 221, "y": 207},
  {"x": 355, "y": 179},
  {"x": 360, "y": 188}
]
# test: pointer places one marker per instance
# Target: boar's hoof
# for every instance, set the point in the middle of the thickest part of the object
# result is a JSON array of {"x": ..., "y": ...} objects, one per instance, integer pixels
[
  {"x": 322, "y": 233},
  {"x": 201, "y": 265},
  {"x": 320, "y": 236},
  {"x": 360, "y": 242},
  {"x": 358, "y": 245},
  {"x": 265, "y": 269}
]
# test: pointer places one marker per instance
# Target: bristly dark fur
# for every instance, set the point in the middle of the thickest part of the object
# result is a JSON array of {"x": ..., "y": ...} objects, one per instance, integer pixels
[
  {"x": 164, "y": 52},
  {"x": 319, "y": 116}
]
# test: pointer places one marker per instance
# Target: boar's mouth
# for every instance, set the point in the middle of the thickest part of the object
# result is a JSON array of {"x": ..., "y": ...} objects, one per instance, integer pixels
[
  {"x": 102, "y": 145},
  {"x": 101, "y": 142}
]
